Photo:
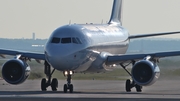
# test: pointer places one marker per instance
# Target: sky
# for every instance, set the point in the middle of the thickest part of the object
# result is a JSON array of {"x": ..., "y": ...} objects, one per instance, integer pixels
[{"x": 21, "y": 18}]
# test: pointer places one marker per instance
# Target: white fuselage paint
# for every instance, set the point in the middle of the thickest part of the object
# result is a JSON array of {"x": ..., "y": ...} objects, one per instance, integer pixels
[{"x": 97, "y": 42}]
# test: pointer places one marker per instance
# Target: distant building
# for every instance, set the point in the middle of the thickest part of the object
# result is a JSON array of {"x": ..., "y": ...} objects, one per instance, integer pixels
[{"x": 33, "y": 36}]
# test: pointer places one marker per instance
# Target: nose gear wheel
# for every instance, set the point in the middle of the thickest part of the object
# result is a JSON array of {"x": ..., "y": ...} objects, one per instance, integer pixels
[{"x": 68, "y": 86}]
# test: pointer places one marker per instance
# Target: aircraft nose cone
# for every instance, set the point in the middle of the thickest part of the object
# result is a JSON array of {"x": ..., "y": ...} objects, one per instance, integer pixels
[{"x": 58, "y": 59}]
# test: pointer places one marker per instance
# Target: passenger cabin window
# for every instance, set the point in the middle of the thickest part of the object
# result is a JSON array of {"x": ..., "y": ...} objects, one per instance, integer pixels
[
  {"x": 55, "y": 40},
  {"x": 66, "y": 40}
]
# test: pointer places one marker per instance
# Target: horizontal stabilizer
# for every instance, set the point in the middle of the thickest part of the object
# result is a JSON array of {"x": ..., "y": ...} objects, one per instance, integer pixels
[{"x": 150, "y": 35}]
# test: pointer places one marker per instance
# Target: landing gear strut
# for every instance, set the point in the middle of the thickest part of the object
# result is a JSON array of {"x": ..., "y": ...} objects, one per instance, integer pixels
[
  {"x": 68, "y": 86},
  {"x": 129, "y": 83},
  {"x": 47, "y": 82}
]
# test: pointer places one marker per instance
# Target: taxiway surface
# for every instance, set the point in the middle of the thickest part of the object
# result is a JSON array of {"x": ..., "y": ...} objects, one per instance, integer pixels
[{"x": 87, "y": 90}]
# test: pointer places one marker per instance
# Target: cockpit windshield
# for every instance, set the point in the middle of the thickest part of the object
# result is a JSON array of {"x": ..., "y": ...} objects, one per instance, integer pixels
[
  {"x": 66, "y": 40},
  {"x": 55, "y": 40}
]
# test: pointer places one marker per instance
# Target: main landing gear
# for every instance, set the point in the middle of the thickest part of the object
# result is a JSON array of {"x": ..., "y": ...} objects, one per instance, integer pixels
[
  {"x": 130, "y": 83},
  {"x": 68, "y": 86},
  {"x": 47, "y": 82}
]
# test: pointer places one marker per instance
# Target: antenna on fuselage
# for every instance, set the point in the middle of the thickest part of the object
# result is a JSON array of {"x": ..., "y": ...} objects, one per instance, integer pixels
[
  {"x": 102, "y": 21},
  {"x": 116, "y": 13},
  {"x": 69, "y": 22}
]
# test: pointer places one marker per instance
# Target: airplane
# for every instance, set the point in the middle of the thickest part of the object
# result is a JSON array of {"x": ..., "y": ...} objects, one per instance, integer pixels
[{"x": 88, "y": 48}]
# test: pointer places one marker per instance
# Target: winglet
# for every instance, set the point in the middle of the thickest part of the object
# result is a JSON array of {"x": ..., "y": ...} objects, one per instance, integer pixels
[{"x": 116, "y": 13}]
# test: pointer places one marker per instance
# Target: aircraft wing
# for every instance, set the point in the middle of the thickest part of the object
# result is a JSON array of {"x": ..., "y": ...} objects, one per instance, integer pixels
[
  {"x": 152, "y": 34},
  {"x": 38, "y": 56},
  {"x": 116, "y": 59}
]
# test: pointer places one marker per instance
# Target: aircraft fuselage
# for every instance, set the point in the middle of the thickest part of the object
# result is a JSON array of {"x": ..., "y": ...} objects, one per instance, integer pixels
[{"x": 84, "y": 48}]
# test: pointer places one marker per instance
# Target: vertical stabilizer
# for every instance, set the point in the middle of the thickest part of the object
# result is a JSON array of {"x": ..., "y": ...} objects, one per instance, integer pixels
[{"x": 116, "y": 13}]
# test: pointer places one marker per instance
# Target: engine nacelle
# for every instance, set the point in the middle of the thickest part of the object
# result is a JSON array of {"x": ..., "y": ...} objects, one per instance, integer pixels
[
  {"x": 145, "y": 73},
  {"x": 15, "y": 71}
]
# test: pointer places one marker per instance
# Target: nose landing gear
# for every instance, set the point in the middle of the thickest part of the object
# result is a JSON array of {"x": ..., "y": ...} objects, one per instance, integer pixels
[{"x": 68, "y": 86}]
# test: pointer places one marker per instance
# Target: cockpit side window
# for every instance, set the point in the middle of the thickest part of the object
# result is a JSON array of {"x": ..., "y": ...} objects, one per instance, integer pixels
[
  {"x": 66, "y": 40},
  {"x": 74, "y": 40},
  {"x": 55, "y": 40},
  {"x": 79, "y": 41}
]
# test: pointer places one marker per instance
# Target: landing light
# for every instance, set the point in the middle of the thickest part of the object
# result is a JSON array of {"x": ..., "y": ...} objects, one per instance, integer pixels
[
  {"x": 71, "y": 73},
  {"x": 66, "y": 73}
]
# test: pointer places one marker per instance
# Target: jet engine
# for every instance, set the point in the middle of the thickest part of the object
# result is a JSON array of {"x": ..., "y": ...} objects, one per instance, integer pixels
[
  {"x": 145, "y": 72},
  {"x": 15, "y": 71}
]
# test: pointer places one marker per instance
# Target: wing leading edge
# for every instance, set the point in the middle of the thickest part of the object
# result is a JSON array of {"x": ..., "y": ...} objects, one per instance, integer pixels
[
  {"x": 116, "y": 59},
  {"x": 33, "y": 55}
]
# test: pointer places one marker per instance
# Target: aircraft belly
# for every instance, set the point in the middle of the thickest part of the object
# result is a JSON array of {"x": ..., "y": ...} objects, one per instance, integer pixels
[
  {"x": 86, "y": 62},
  {"x": 97, "y": 55}
]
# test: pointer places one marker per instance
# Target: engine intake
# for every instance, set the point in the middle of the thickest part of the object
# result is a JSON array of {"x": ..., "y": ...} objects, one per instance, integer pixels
[
  {"x": 15, "y": 71},
  {"x": 145, "y": 73}
]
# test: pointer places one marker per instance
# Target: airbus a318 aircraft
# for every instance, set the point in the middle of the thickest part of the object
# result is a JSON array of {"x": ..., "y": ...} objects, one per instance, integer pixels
[{"x": 84, "y": 48}]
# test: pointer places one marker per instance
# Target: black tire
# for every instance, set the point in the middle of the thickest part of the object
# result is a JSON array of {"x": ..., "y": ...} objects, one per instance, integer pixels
[
  {"x": 128, "y": 85},
  {"x": 65, "y": 88},
  {"x": 138, "y": 88},
  {"x": 54, "y": 84},
  {"x": 43, "y": 84},
  {"x": 71, "y": 88}
]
